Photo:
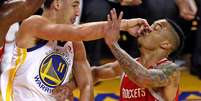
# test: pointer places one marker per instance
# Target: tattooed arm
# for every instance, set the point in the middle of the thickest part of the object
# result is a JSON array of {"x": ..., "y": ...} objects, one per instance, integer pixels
[
  {"x": 139, "y": 74},
  {"x": 136, "y": 72}
]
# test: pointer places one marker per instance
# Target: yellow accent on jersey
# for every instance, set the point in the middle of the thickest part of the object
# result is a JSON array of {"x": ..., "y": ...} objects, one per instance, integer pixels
[{"x": 22, "y": 53}]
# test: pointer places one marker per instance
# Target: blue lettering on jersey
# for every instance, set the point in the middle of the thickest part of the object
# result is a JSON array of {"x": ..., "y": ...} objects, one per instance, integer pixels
[{"x": 41, "y": 85}]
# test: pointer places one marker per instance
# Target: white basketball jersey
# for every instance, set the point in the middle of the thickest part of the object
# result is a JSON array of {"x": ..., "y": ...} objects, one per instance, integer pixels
[{"x": 37, "y": 71}]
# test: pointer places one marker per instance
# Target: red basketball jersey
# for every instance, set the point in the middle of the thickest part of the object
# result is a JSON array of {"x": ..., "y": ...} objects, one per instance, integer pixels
[
  {"x": 1, "y": 53},
  {"x": 130, "y": 91}
]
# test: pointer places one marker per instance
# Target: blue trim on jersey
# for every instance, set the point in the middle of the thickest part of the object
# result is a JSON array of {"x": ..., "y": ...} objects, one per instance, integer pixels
[{"x": 39, "y": 45}]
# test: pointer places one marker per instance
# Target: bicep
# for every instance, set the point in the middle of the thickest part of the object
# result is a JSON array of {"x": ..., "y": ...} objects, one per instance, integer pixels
[
  {"x": 62, "y": 32},
  {"x": 41, "y": 28}
]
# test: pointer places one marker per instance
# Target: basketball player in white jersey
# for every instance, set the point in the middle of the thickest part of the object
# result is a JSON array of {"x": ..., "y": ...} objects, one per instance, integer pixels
[{"x": 44, "y": 54}]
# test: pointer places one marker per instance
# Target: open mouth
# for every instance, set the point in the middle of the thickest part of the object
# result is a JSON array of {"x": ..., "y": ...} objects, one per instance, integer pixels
[
  {"x": 144, "y": 34},
  {"x": 73, "y": 20}
]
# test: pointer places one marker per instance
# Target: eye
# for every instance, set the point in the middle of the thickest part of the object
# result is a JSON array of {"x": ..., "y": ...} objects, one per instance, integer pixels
[
  {"x": 157, "y": 27},
  {"x": 75, "y": 5}
]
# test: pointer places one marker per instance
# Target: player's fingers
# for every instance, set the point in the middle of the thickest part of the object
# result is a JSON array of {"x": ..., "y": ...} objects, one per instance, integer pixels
[
  {"x": 141, "y": 29},
  {"x": 120, "y": 16},
  {"x": 113, "y": 14},
  {"x": 109, "y": 19},
  {"x": 109, "y": 22},
  {"x": 146, "y": 25}
]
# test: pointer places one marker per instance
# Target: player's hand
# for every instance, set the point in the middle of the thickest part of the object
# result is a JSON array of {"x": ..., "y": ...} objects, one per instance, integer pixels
[
  {"x": 187, "y": 9},
  {"x": 63, "y": 93},
  {"x": 138, "y": 27},
  {"x": 113, "y": 25}
]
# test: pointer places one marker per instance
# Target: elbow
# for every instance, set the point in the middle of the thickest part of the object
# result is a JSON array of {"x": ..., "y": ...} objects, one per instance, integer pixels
[
  {"x": 87, "y": 86},
  {"x": 94, "y": 75}
]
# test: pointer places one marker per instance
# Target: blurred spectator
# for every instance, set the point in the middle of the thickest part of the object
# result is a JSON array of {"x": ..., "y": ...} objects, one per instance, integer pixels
[{"x": 94, "y": 10}]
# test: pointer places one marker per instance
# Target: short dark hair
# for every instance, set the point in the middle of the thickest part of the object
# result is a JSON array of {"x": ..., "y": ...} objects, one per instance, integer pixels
[
  {"x": 47, "y": 4},
  {"x": 181, "y": 36},
  {"x": 2, "y": 2}
]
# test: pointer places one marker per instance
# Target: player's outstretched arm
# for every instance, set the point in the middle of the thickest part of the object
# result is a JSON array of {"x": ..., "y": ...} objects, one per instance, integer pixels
[
  {"x": 106, "y": 71},
  {"x": 39, "y": 27}
]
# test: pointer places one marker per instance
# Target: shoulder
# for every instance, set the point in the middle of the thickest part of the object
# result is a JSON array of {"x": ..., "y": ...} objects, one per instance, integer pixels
[
  {"x": 167, "y": 64},
  {"x": 170, "y": 68},
  {"x": 35, "y": 19},
  {"x": 29, "y": 27},
  {"x": 31, "y": 24}
]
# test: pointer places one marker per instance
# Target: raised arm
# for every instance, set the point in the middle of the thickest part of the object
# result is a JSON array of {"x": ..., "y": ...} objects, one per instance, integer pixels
[
  {"x": 82, "y": 72},
  {"x": 139, "y": 74}
]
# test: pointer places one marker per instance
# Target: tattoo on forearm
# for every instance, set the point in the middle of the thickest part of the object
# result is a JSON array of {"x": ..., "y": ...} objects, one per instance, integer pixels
[{"x": 138, "y": 73}]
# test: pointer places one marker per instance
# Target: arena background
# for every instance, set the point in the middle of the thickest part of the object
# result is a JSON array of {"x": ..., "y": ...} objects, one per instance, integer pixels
[{"x": 190, "y": 87}]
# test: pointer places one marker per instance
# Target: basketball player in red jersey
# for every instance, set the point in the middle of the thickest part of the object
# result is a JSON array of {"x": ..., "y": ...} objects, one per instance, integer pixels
[{"x": 151, "y": 77}]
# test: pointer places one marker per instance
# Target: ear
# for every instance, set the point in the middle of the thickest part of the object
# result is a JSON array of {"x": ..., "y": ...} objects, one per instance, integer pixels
[
  {"x": 57, "y": 4},
  {"x": 166, "y": 45}
]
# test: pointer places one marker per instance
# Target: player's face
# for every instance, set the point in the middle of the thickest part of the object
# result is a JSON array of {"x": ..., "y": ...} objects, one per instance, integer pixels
[
  {"x": 153, "y": 39},
  {"x": 71, "y": 10}
]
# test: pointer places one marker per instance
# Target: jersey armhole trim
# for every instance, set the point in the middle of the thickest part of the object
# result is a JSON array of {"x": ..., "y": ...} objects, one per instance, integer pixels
[{"x": 39, "y": 45}]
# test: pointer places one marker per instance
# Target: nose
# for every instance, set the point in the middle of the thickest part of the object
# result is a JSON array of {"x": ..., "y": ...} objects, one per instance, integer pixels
[{"x": 77, "y": 11}]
